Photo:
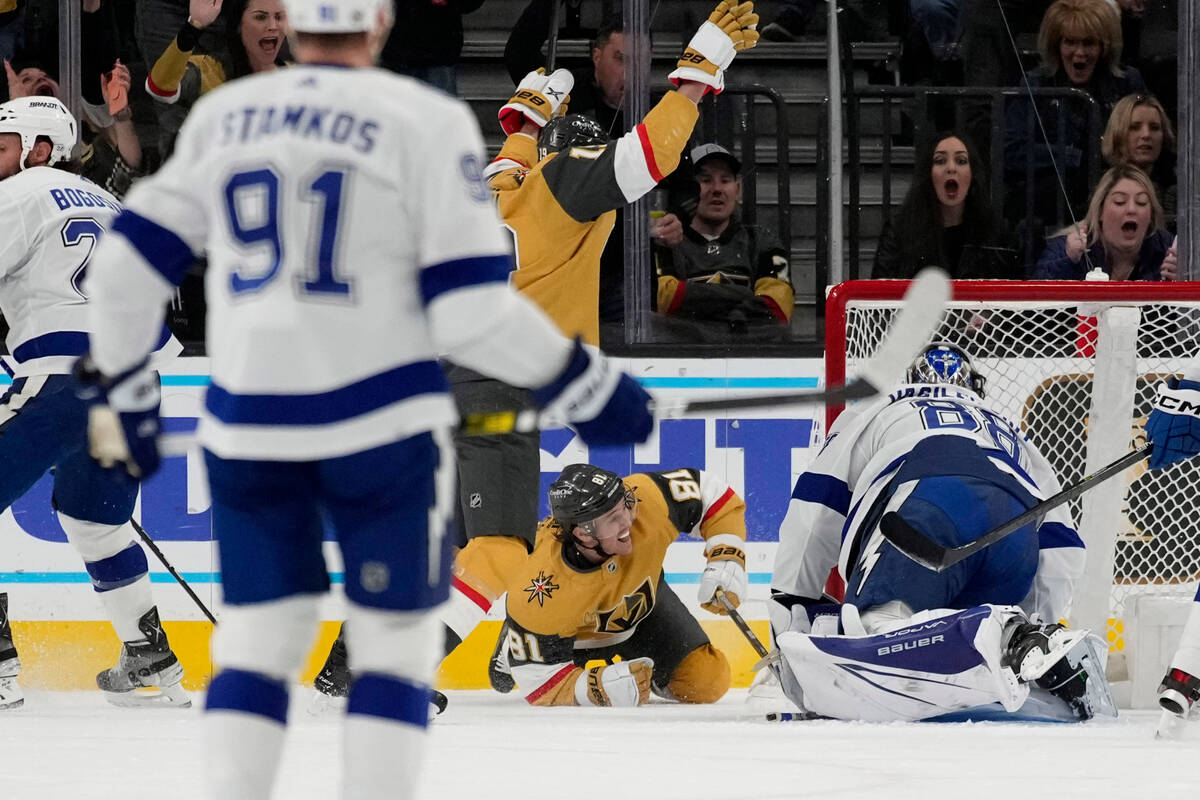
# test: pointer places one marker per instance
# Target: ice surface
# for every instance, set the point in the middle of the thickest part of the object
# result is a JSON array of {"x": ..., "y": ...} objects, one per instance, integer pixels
[{"x": 73, "y": 746}]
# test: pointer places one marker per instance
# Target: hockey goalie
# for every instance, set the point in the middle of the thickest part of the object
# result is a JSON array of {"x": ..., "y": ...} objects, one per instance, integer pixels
[{"x": 883, "y": 638}]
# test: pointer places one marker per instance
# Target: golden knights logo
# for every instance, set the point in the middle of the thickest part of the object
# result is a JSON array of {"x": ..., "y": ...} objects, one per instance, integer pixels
[
  {"x": 540, "y": 588},
  {"x": 632, "y": 609}
]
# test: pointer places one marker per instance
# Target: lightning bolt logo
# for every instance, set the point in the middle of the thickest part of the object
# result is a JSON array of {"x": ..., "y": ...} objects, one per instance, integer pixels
[{"x": 871, "y": 557}]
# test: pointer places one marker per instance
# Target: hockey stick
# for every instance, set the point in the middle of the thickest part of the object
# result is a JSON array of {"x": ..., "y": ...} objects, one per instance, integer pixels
[
  {"x": 174, "y": 574},
  {"x": 917, "y": 546},
  {"x": 765, "y": 656},
  {"x": 918, "y": 319}
]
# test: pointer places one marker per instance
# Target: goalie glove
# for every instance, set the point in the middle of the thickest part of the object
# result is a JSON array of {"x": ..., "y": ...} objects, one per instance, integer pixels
[
  {"x": 539, "y": 98},
  {"x": 726, "y": 571},
  {"x": 623, "y": 685},
  {"x": 729, "y": 29},
  {"x": 603, "y": 404},
  {"x": 1174, "y": 424},
  {"x": 123, "y": 421}
]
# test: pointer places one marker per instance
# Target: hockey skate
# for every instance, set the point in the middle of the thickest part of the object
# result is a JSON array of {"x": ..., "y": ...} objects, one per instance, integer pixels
[
  {"x": 499, "y": 673},
  {"x": 148, "y": 673},
  {"x": 1177, "y": 694},
  {"x": 1067, "y": 663},
  {"x": 11, "y": 695},
  {"x": 332, "y": 683}
]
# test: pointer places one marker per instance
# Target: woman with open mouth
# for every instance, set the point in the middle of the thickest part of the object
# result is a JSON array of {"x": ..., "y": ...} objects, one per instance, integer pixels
[
  {"x": 1140, "y": 133},
  {"x": 946, "y": 219},
  {"x": 255, "y": 37},
  {"x": 1080, "y": 45},
  {"x": 1122, "y": 234}
]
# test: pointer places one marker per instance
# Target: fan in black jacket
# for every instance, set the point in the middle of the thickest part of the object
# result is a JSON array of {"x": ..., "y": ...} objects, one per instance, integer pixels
[{"x": 946, "y": 220}]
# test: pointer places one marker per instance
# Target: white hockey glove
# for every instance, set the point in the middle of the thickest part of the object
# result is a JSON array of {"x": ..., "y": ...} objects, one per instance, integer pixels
[
  {"x": 623, "y": 685},
  {"x": 539, "y": 98},
  {"x": 726, "y": 571},
  {"x": 729, "y": 29},
  {"x": 604, "y": 405},
  {"x": 123, "y": 424},
  {"x": 1174, "y": 424}
]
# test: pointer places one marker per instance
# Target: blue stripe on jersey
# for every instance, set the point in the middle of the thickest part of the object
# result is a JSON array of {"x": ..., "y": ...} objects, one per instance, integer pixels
[
  {"x": 1055, "y": 534},
  {"x": 345, "y": 402},
  {"x": 59, "y": 343},
  {"x": 164, "y": 251},
  {"x": 438, "y": 279},
  {"x": 65, "y": 343},
  {"x": 812, "y": 487}
]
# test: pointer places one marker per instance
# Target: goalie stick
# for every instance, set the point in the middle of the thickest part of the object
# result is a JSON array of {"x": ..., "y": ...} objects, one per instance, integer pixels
[
  {"x": 921, "y": 549},
  {"x": 918, "y": 319}
]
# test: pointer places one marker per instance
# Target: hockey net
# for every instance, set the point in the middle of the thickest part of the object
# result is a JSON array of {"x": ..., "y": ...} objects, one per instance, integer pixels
[{"x": 1077, "y": 365}]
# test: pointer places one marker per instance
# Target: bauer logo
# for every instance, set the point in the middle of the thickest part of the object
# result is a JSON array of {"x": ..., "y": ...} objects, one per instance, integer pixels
[{"x": 900, "y": 647}]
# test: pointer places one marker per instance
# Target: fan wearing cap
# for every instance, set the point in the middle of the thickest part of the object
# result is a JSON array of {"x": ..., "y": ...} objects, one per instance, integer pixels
[
  {"x": 593, "y": 589},
  {"x": 716, "y": 269}
]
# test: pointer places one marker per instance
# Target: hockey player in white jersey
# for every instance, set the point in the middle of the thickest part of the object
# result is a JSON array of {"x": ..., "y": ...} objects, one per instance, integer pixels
[
  {"x": 53, "y": 220},
  {"x": 351, "y": 240},
  {"x": 1174, "y": 429},
  {"x": 905, "y": 642}
]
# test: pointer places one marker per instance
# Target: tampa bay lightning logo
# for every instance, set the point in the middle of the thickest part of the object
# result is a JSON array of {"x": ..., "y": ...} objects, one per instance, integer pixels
[
  {"x": 472, "y": 173},
  {"x": 946, "y": 364}
]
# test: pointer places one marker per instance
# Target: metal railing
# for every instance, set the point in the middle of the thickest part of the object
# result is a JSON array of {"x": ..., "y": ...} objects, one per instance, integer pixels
[{"x": 968, "y": 105}]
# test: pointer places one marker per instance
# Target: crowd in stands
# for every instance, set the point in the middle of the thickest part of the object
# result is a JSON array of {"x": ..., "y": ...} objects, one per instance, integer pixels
[{"x": 1092, "y": 98}]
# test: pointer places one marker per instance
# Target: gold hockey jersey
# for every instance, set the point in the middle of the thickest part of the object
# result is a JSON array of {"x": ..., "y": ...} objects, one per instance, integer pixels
[
  {"x": 556, "y": 608},
  {"x": 562, "y": 209}
]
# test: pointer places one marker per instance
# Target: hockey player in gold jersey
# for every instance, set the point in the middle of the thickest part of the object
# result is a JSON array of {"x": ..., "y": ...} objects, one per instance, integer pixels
[
  {"x": 558, "y": 182},
  {"x": 594, "y": 589}
]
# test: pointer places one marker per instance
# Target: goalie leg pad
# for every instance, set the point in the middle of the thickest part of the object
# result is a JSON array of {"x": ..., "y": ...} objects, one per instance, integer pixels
[
  {"x": 944, "y": 661},
  {"x": 702, "y": 677}
]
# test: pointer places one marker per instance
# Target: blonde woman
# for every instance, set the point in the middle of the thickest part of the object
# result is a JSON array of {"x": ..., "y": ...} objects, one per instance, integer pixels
[
  {"x": 1140, "y": 133},
  {"x": 1080, "y": 45},
  {"x": 1122, "y": 234}
]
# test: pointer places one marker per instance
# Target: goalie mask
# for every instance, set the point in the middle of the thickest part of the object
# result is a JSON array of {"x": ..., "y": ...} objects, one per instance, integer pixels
[
  {"x": 37, "y": 116},
  {"x": 584, "y": 493},
  {"x": 573, "y": 130},
  {"x": 945, "y": 363}
]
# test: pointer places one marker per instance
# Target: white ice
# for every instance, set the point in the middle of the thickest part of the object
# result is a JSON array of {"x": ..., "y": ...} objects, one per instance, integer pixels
[{"x": 73, "y": 746}]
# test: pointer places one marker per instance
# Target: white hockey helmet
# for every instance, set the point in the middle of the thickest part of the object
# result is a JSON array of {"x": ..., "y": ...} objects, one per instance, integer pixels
[
  {"x": 31, "y": 117},
  {"x": 335, "y": 16},
  {"x": 945, "y": 363}
]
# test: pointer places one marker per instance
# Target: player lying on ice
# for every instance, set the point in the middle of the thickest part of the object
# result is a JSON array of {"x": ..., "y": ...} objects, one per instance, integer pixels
[
  {"x": 559, "y": 182},
  {"x": 908, "y": 643},
  {"x": 593, "y": 588}
]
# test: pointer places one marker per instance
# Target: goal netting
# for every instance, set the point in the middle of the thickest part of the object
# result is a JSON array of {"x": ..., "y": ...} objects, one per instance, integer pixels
[{"x": 1077, "y": 365}]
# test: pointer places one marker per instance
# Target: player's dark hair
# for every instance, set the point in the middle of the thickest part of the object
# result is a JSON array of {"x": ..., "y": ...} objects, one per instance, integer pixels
[
  {"x": 237, "y": 60},
  {"x": 611, "y": 24},
  {"x": 919, "y": 216}
]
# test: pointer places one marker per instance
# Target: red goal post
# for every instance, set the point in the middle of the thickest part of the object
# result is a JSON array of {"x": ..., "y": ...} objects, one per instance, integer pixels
[{"x": 1076, "y": 364}]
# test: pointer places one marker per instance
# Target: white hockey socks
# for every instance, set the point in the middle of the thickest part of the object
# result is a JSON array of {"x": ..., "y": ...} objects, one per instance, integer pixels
[
  {"x": 244, "y": 727},
  {"x": 118, "y": 568}
]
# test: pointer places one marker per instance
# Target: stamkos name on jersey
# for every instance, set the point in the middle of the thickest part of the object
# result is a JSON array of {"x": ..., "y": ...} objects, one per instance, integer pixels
[
  {"x": 923, "y": 391},
  {"x": 77, "y": 198},
  {"x": 340, "y": 127}
]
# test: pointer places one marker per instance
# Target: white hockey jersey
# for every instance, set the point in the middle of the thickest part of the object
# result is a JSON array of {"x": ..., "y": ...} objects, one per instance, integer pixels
[
  {"x": 53, "y": 222},
  {"x": 869, "y": 443},
  {"x": 350, "y": 240}
]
